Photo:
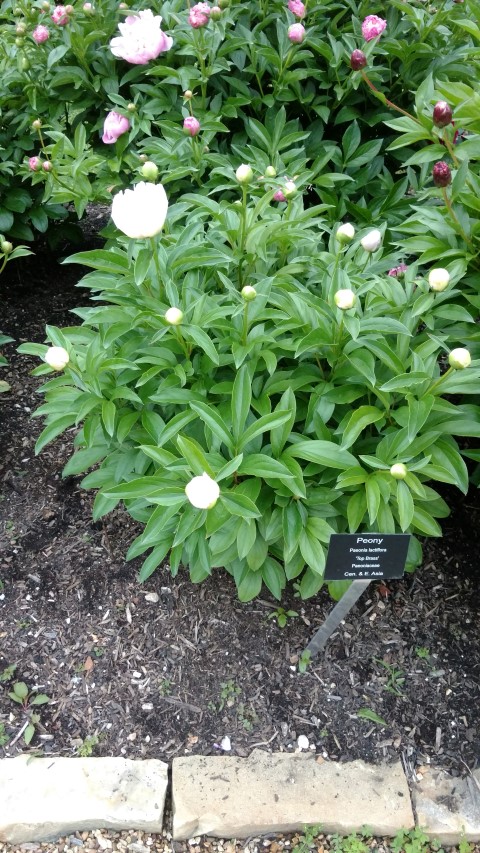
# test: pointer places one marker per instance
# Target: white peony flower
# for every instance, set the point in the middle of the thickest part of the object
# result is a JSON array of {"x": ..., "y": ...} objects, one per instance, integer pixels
[
  {"x": 141, "y": 211},
  {"x": 372, "y": 240},
  {"x": 399, "y": 471},
  {"x": 345, "y": 233},
  {"x": 345, "y": 299},
  {"x": 244, "y": 174},
  {"x": 57, "y": 357},
  {"x": 438, "y": 279},
  {"x": 460, "y": 358},
  {"x": 202, "y": 492},
  {"x": 174, "y": 316}
]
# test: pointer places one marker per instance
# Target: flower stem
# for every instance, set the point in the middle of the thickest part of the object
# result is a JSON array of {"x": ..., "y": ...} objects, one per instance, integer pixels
[
  {"x": 388, "y": 103},
  {"x": 245, "y": 324},
  {"x": 454, "y": 217},
  {"x": 243, "y": 232},
  {"x": 439, "y": 380},
  {"x": 153, "y": 244}
]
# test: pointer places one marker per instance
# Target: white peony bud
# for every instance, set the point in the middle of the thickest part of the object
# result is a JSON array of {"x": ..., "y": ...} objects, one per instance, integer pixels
[
  {"x": 345, "y": 233},
  {"x": 244, "y": 174},
  {"x": 248, "y": 293},
  {"x": 174, "y": 316},
  {"x": 202, "y": 492},
  {"x": 372, "y": 240},
  {"x": 57, "y": 358},
  {"x": 460, "y": 358},
  {"x": 399, "y": 471},
  {"x": 345, "y": 299},
  {"x": 438, "y": 279},
  {"x": 289, "y": 189},
  {"x": 270, "y": 172}
]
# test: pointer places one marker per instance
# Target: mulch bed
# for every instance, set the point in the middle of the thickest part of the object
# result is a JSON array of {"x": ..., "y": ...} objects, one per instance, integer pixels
[{"x": 173, "y": 676}]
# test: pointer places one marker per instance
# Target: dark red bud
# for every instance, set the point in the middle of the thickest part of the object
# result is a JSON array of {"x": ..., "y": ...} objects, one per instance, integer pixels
[
  {"x": 442, "y": 175},
  {"x": 442, "y": 114},
  {"x": 358, "y": 60}
]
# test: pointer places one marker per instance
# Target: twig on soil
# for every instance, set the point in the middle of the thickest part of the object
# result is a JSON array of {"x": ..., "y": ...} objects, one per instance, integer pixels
[{"x": 20, "y": 733}]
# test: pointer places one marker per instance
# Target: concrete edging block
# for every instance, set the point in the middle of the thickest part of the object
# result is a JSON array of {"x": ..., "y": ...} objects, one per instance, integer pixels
[
  {"x": 448, "y": 807},
  {"x": 232, "y": 797},
  {"x": 44, "y": 798}
]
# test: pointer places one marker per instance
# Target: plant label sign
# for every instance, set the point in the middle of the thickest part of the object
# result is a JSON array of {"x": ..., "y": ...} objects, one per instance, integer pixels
[{"x": 366, "y": 556}]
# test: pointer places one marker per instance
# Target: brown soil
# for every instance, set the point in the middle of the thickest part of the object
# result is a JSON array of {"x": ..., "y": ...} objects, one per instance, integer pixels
[{"x": 174, "y": 676}]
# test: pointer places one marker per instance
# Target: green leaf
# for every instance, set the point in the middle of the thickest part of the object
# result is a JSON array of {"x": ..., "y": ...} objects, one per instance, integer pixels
[
  {"x": 202, "y": 340},
  {"x": 337, "y": 588},
  {"x": 406, "y": 506},
  {"x": 29, "y": 733},
  {"x": 194, "y": 456},
  {"x": 82, "y": 460},
  {"x": 238, "y": 504},
  {"x": 190, "y": 520},
  {"x": 324, "y": 453},
  {"x": 261, "y": 465},
  {"x": 153, "y": 560},
  {"x": 274, "y": 577},
  {"x": 312, "y": 551},
  {"x": 405, "y": 381},
  {"x": 310, "y": 584},
  {"x": 262, "y": 425},
  {"x": 40, "y": 699},
  {"x": 215, "y": 422},
  {"x": 368, "y": 714},
  {"x": 356, "y": 509},
  {"x": 109, "y": 411},
  {"x": 425, "y": 523},
  {"x": 280, "y": 435},
  {"x": 241, "y": 399},
  {"x": 373, "y": 497},
  {"x": 250, "y": 585},
  {"x": 358, "y": 421},
  {"x": 20, "y": 689},
  {"x": 53, "y": 429}
]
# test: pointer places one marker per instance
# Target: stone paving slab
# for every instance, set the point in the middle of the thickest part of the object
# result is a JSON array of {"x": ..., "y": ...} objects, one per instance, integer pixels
[
  {"x": 230, "y": 797},
  {"x": 448, "y": 807},
  {"x": 44, "y": 798}
]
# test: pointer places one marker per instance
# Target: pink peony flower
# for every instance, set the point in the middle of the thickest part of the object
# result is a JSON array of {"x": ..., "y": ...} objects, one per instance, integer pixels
[
  {"x": 34, "y": 163},
  {"x": 397, "y": 272},
  {"x": 297, "y": 7},
  {"x": 296, "y": 33},
  {"x": 141, "y": 38},
  {"x": 40, "y": 34},
  {"x": 372, "y": 27},
  {"x": 199, "y": 15},
  {"x": 60, "y": 16},
  {"x": 191, "y": 125},
  {"x": 113, "y": 127},
  {"x": 279, "y": 196}
]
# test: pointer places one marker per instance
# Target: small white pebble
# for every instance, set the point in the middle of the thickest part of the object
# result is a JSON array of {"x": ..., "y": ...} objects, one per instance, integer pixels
[
  {"x": 226, "y": 744},
  {"x": 153, "y": 597},
  {"x": 303, "y": 742}
]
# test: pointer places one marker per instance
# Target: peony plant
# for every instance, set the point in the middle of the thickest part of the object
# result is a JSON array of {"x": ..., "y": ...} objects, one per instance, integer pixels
[{"x": 285, "y": 344}]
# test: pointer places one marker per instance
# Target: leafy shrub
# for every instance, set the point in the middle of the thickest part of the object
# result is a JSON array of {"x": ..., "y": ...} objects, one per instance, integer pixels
[{"x": 303, "y": 369}]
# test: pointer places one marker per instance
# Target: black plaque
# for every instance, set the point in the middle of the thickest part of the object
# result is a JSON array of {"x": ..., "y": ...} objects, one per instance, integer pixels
[{"x": 366, "y": 556}]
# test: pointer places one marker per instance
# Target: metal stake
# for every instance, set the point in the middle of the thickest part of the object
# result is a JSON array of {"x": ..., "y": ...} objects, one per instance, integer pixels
[{"x": 353, "y": 593}]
